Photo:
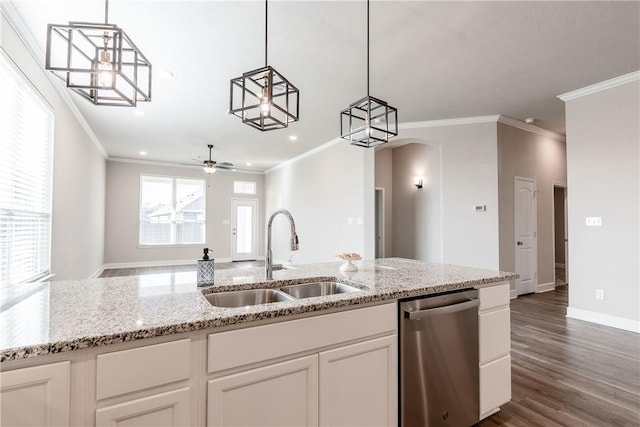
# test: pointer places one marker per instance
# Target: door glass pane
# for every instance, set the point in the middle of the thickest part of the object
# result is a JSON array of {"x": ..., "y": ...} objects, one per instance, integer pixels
[{"x": 244, "y": 227}]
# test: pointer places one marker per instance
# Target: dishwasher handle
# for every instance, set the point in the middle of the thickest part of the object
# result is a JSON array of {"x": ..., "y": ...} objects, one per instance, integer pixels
[{"x": 437, "y": 311}]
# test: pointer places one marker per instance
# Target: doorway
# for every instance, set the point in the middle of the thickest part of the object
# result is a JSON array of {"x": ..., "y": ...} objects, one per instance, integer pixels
[
  {"x": 379, "y": 222},
  {"x": 560, "y": 235},
  {"x": 526, "y": 241},
  {"x": 244, "y": 229}
]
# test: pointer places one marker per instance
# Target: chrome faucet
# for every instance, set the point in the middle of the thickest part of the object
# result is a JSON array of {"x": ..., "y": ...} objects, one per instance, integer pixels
[{"x": 268, "y": 264}]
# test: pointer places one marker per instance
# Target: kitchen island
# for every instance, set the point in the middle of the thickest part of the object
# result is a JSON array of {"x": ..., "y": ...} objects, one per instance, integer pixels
[{"x": 153, "y": 346}]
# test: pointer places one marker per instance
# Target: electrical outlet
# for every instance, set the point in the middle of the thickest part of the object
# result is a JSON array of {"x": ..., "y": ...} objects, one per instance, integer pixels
[
  {"x": 600, "y": 294},
  {"x": 594, "y": 221}
]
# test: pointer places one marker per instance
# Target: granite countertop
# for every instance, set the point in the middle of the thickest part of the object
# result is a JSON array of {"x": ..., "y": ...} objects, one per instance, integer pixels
[{"x": 58, "y": 316}]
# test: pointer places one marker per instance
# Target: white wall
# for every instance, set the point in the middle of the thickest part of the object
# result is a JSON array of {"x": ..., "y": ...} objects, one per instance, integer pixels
[
  {"x": 78, "y": 172},
  {"x": 383, "y": 171},
  {"x": 123, "y": 201},
  {"x": 468, "y": 176},
  {"x": 325, "y": 192},
  {"x": 603, "y": 173}
]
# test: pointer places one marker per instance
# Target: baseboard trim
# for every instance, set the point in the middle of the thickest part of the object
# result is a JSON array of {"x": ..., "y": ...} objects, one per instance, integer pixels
[
  {"x": 513, "y": 294},
  {"x": 604, "y": 319},
  {"x": 545, "y": 287}
]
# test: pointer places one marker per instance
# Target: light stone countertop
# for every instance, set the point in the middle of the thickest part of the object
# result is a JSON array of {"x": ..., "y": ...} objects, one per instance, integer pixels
[{"x": 53, "y": 317}]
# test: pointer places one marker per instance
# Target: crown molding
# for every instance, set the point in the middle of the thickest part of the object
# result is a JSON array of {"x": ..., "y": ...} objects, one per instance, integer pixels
[
  {"x": 177, "y": 165},
  {"x": 305, "y": 154},
  {"x": 28, "y": 40},
  {"x": 531, "y": 128},
  {"x": 599, "y": 87},
  {"x": 449, "y": 122}
]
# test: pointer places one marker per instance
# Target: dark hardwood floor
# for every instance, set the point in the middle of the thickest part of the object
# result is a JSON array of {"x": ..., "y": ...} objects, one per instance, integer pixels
[{"x": 566, "y": 372}]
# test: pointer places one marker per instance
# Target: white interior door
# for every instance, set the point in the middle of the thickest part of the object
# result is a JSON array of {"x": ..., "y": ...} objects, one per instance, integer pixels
[
  {"x": 526, "y": 246},
  {"x": 244, "y": 229}
]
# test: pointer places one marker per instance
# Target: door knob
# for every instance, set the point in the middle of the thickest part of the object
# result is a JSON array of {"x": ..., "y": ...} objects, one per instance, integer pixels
[{"x": 520, "y": 243}]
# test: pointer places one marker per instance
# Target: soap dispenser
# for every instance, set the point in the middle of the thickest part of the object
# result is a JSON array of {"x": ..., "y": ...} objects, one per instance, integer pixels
[{"x": 205, "y": 269}]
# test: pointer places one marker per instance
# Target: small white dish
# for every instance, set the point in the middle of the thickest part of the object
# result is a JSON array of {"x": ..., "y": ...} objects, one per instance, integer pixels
[{"x": 348, "y": 266}]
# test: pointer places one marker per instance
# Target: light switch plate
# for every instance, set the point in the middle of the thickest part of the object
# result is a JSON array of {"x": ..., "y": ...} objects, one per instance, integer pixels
[{"x": 594, "y": 221}]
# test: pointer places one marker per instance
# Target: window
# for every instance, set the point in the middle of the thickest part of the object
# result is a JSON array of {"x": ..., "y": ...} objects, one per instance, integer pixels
[
  {"x": 244, "y": 187},
  {"x": 172, "y": 211},
  {"x": 26, "y": 148}
]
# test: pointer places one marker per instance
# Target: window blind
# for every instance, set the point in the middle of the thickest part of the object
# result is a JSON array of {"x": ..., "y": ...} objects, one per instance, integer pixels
[{"x": 26, "y": 149}]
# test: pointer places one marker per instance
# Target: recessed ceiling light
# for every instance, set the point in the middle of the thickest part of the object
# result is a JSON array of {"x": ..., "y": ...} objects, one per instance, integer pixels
[
  {"x": 139, "y": 113},
  {"x": 164, "y": 73},
  {"x": 143, "y": 153},
  {"x": 249, "y": 164},
  {"x": 293, "y": 138},
  {"x": 529, "y": 120}
]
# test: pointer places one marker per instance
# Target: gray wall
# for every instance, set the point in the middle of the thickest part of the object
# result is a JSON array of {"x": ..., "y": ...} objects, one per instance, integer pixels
[
  {"x": 603, "y": 157},
  {"x": 122, "y": 204},
  {"x": 522, "y": 153},
  {"x": 330, "y": 195},
  {"x": 417, "y": 212},
  {"x": 77, "y": 240}
]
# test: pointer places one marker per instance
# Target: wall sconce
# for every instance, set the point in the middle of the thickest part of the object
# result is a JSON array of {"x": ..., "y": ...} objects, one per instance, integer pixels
[{"x": 417, "y": 181}]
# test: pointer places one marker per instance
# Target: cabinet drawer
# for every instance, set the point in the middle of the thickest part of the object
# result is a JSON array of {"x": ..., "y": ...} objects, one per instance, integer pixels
[
  {"x": 495, "y": 384},
  {"x": 259, "y": 343},
  {"x": 140, "y": 368},
  {"x": 495, "y": 334},
  {"x": 494, "y": 296}
]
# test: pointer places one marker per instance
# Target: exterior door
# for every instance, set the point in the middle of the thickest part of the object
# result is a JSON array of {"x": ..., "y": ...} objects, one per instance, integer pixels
[
  {"x": 526, "y": 235},
  {"x": 244, "y": 230}
]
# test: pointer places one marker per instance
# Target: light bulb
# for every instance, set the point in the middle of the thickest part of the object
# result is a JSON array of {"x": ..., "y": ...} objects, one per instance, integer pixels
[
  {"x": 265, "y": 104},
  {"x": 105, "y": 69}
]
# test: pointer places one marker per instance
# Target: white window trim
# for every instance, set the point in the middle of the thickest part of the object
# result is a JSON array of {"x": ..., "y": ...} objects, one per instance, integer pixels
[{"x": 174, "y": 179}]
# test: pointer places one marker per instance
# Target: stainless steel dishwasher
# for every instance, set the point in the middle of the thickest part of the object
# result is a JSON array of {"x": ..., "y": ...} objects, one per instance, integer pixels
[{"x": 439, "y": 372}]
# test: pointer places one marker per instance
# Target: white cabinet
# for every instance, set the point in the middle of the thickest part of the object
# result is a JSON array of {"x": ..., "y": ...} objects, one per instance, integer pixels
[
  {"x": 131, "y": 386},
  {"x": 169, "y": 409},
  {"x": 281, "y": 394},
  {"x": 495, "y": 347},
  {"x": 36, "y": 396},
  {"x": 358, "y": 384},
  {"x": 348, "y": 374}
]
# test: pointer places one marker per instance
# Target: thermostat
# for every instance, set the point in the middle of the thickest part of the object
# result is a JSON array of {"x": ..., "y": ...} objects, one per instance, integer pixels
[{"x": 479, "y": 208}]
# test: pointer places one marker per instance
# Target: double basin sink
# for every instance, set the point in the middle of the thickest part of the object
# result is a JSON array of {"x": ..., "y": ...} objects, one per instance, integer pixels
[{"x": 285, "y": 293}]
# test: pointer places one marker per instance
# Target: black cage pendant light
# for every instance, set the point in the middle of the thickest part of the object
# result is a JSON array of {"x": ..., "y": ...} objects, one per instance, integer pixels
[
  {"x": 263, "y": 98},
  {"x": 99, "y": 61},
  {"x": 369, "y": 121}
]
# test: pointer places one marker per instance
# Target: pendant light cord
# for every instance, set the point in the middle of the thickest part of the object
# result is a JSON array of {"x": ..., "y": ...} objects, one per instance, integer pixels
[
  {"x": 106, "y": 11},
  {"x": 266, "y": 26},
  {"x": 367, "y": 48}
]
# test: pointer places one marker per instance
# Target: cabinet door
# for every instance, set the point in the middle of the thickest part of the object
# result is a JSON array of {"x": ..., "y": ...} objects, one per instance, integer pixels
[
  {"x": 37, "y": 396},
  {"x": 495, "y": 385},
  {"x": 170, "y": 409},
  {"x": 359, "y": 384},
  {"x": 282, "y": 394}
]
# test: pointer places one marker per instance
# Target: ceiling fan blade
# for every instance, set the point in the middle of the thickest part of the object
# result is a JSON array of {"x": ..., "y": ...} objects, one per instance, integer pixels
[{"x": 225, "y": 164}]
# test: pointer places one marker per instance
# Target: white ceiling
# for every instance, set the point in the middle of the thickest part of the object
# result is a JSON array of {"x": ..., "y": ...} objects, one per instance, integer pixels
[{"x": 431, "y": 60}]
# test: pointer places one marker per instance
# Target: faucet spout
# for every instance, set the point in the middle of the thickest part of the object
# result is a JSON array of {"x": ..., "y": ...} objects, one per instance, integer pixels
[{"x": 293, "y": 240}]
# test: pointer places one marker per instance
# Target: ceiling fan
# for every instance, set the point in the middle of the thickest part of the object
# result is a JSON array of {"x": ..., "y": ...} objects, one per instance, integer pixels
[{"x": 210, "y": 166}]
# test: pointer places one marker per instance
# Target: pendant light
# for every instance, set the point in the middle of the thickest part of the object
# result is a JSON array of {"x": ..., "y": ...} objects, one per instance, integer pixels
[
  {"x": 99, "y": 62},
  {"x": 369, "y": 121},
  {"x": 263, "y": 98}
]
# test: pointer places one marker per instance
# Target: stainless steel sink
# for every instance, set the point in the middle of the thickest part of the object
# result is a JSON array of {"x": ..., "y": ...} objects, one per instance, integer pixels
[
  {"x": 248, "y": 297},
  {"x": 318, "y": 289}
]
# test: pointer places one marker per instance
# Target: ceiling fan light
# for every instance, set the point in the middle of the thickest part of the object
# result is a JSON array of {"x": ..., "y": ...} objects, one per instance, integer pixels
[{"x": 209, "y": 169}]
